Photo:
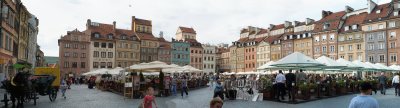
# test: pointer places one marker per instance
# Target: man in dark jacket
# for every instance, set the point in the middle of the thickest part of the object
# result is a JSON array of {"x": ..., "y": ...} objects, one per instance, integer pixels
[
  {"x": 290, "y": 81},
  {"x": 382, "y": 82}
]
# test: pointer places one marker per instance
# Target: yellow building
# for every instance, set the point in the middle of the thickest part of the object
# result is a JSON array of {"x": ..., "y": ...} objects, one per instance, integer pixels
[
  {"x": 302, "y": 35},
  {"x": 23, "y": 34},
  {"x": 351, "y": 40}
]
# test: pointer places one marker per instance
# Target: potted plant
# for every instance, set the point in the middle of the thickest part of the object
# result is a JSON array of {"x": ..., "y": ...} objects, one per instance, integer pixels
[
  {"x": 304, "y": 91},
  {"x": 313, "y": 88},
  {"x": 341, "y": 87},
  {"x": 267, "y": 88}
]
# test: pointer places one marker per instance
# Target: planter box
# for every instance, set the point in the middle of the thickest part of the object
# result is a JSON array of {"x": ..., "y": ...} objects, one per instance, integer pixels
[
  {"x": 267, "y": 95},
  {"x": 304, "y": 95}
]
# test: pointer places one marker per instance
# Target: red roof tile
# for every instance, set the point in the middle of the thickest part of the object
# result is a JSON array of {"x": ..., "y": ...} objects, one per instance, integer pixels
[
  {"x": 244, "y": 31},
  {"x": 103, "y": 29},
  {"x": 146, "y": 36},
  {"x": 271, "y": 39},
  {"x": 263, "y": 31},
  {"x": 354, "y": 20},
  {"x": 280, "y": 26},
  {"x": 143, "y": 22},
  {"x": 187, "y": 30},
  {"x": 243, "y": 40},
  {"x": 333, "y": 20},
  {"x": 259, "y": 39},
  {"x": 374, "y": 16}
]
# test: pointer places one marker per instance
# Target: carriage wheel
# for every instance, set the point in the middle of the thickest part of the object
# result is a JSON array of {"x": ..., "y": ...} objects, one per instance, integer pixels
[
  {"x": 53, "y": 94},
  {"x": 5, "y": 100}
]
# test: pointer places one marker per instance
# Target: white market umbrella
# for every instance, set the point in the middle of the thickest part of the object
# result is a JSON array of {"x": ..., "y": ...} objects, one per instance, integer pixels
[
  {"x": 349, "y": 64},
  {"x": 189, "y": 68},
  {"x": 330, "y": 63},
  {"x": 297, "y": 60},
  {"x": 115, "y": 71},
  {"x": 363, "y": 65},
  {"x": 395, "y": 67},
  {"x": 373, "y": 66},
  {"x": 383, "y": 67},
  {"x": 267, "y": 66}
]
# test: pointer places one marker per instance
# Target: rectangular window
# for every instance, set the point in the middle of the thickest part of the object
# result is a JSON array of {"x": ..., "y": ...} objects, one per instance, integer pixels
[
  {"x": 95, "y": 54},
  {"x": 359, "y": 57},
  {"x": 110, "y": 45},
  {"x": 74, "y": 64},
  {"x": 66, "y": 64},
  {"x": 370, "y": 46},
  {"x": 103, "y": 65},
  {"x": 369, "y": 28},
  {"x": 341, "y": 38},
  {"x": 324, "y": 49},
  {"x": 392, "y": 24},
  {"x": 381, "y": 58},
  {"x": 95, "y": 64},
  {"x": 341, "y": 48},
  {"x": 109, "y": 65},
  {"x": 83, "y": 65},
  {"x": 371, "y": 59},
  {"x": 393, "y": 57},
  {"x": 83, "y": 46},
  {"x": 83, "y": 55},
  {"x": 342, "y": 57},
  {"x": 350, "y": 38},
  {"x": 393, "y": 45},
  {"x": 75, "y": 55},
  {"x": 96, "y": 44},
  {"x": 350, "y": 57},
  {"x": 369, "y": 37},
  {"x": 332, "y": 49},
  {"x": 103, "y": 55},
  {"x": 103, "y": 45},
  {"x": 350, "y": 47},
  {"x": 381, "y": 45},
  {"x": 346, "y": 28},
  {"x": 380, "y": 26},
  {"x": 316, "y": 39},
  {"x": 110, "y": 55},
  {"x": 358, "y": 46},
  {"x": 354, "y": 27}
]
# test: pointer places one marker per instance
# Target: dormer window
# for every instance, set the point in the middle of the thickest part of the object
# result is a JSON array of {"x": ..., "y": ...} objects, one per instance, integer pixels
[
  {"x": 326, "y": 26},
  {"x": 97, "y": 35},
  {"x": 110, "y": 36},
  {"x": 378, "y": 11},
  {"x": 133, "y": 37},
  {"x": 346, "y": 28},
  {"x": 123, "y": 37},
  {"x": 354, "y": 27}
]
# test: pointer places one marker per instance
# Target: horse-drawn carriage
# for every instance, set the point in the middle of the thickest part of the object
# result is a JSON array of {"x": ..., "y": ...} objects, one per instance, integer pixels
[{"x": 25, "y": 87}]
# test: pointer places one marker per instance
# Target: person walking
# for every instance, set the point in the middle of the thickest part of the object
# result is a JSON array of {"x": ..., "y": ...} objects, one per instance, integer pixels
[
  {"x": 364, "y": 100},
  {"x": 219, "y": 90},
  {"x": 63, "y": 88},
  {"x": 184, "y": 86},
  {"x": 395, "y": 83},
  {"x": 149, "y": 99},
  {"x": 280, "y": 83},
  {"x": 382, "y": 82},
  {"x": 173, "y": 86},
  {"x": 290, "y": 81},
  {"x": 211, "y": 78}
]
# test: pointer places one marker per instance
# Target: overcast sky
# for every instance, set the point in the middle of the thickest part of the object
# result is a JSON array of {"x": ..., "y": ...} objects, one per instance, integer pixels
[{"x": 215, "y": 21}]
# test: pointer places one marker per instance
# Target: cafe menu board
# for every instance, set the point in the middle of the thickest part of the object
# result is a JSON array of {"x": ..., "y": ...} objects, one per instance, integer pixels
[{"x": 136, "y": 82}]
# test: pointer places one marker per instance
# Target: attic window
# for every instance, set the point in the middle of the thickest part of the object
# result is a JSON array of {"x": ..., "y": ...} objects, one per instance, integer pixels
[
  {"x": 346, "y": 28},
  {"x": 97, "y": 35},
  {"x": 326, "y": 26},
  {"x": 110, "y": 36},
  {"x": 123, "y": 37},
  {"x": 354, "y": 27},
  {"x": 396, "y": 13},
  {"x": 378, "y": 11}
]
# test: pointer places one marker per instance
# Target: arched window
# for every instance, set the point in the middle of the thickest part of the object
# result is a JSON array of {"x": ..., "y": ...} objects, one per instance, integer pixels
[
  {"x": 123, "y": 37},
  {"x": 96, "y": 35},
  {"x": 110, "y": 36}
]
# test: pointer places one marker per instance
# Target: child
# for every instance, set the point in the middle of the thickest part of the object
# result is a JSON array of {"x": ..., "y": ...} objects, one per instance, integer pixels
[
  {"x": 63, "y": 88},
  {"x": 148, "y": 99}
]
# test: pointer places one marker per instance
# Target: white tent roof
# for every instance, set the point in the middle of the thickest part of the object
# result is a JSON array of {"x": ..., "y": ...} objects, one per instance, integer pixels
[
  {"x": 383, "y": 66},
  {"x": 189, "y": 68},
  {"x": 297, "y": 59},
  {"x": 373, "y": 66},
  {"x": 395, "y": 67},
  {"x": 266, "y": 66},
  {"x": 115, "y": 71},
  {"x": 363, "y": 65},
  {"x": 347, "y": 63},
  {"x": 329, "y": 62},
  {"x": 96, "y": 72},
  {"x": 155, "y": 65}
]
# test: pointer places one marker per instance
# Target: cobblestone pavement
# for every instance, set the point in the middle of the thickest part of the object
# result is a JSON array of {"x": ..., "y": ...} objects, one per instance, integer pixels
[{"x": 82, "y": 97}]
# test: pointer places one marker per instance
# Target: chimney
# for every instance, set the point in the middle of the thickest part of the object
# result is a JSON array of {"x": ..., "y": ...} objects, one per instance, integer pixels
[
  {"x": 371, "y": 5},
  {"x": 348, "y": 9},
  {"x": 271, "y": 26},
  {"x": 161, "y": 34},
  {"x": 114, "y": 25},
  {"x": 88, "y": 23},
  {"x": 133, "y": 23},
  {"x": 326, "y": 13},
  {"x": 296, "y": 23},
  {"x": 287, "y": 24},
  {"x": 309, "y": 21}
]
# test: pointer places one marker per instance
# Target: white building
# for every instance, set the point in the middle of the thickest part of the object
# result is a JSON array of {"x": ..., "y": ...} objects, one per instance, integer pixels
[
  {"x": 209, "y": 58},
  {"x": 32, "y": 41}
]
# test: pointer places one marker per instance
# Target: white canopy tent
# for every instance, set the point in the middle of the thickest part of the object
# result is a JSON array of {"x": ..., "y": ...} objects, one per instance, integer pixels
[
  {"x": 330, "y": 63},
  {"x": 96, "y": 72},
  {"x": 363, "y": 65},
  {"x": 395, "y": 67},
  {"x": 349, "y": 64},
  {"x": 383, "y": 67},
  {"x": 297, "y": 60},
  {"x": 115, "y": 71},
  {"x": 267, "y": 66}
]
